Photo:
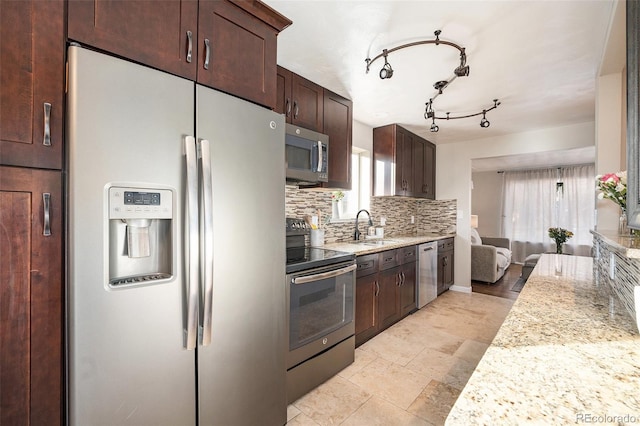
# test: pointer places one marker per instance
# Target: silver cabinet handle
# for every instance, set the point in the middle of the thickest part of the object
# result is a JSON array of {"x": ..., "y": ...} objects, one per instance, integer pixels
[
  {"x": 295, "y": 109},
  {"x": 427, "y": 248},
  {"x": 377, "y": 289},
  {"x": 403, "y": 276},
  {"x": 324, "y": 275},
  {"x": 189, "y": 45},
  {"x": 46, "y": 141},
  {"x": 207, "y": 53},
  {"x": 207, "y": 245},
  {"x": 192, "y": 243},
  {"x": 288, "y": 107},
  {"x": 46, "y": 201}
]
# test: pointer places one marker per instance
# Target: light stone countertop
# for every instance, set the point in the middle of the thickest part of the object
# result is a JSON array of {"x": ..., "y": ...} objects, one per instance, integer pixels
[
  {"x": 390, "y": 243},
  {"x": 563, "y": 355},
  {"x": 627, "y": 245}
]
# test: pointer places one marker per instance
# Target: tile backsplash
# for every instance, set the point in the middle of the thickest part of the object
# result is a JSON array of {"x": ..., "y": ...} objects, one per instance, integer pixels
[{"x": 433, "y": 216}]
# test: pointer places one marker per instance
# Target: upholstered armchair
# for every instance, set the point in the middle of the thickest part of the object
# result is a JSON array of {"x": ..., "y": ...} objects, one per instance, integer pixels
[{"x": 490, "y": 257}]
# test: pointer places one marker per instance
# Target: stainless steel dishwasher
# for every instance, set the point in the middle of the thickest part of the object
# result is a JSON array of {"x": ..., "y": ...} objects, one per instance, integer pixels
[{"x": 427, "y": 273}]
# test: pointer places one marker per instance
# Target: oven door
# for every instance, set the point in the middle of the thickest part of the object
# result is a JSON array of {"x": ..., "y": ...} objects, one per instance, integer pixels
[{"x": 321, "y": 309}]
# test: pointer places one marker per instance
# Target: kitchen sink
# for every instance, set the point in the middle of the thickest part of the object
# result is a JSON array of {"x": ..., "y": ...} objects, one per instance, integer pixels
[{"x": 375, "y": 243}]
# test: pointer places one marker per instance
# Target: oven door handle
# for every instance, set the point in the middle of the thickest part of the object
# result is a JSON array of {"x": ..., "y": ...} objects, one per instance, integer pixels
[{"x": 330, "y": 274}]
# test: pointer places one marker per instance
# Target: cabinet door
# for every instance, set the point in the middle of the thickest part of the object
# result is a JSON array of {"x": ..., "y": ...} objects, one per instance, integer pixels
[
  {"x": 337, "y": 123},
  {"x": 366, "y": 315},
  {"x": 418, "y": 154},
  {"x": 307, "y": 108},
  {"x": 404, "y": 155},
  {"x": 408, "y": 289},
  {"x": 283, "y": 93},
  {"x": 388, "y": 298},
  {"x": 236, "y": 52},
  {"x": 31, "y": 317},
  {"x": 32, "y": 82},
  {"x": 155, "y": 33},
  {"x": 448, "y": 269},
  {"x": 429, "y": 172},
  {"x": 441, "y": 271}
]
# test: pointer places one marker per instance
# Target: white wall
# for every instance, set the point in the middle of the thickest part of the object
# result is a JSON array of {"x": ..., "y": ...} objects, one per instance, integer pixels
[
  {"x": 453, "y": 173},
  {"x": 486, "y": 202},
  {"x": 362, "y": 136}
]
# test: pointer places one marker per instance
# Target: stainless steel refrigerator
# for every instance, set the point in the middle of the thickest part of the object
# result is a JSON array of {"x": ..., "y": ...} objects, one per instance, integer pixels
[{"x": 176, "y": 298}]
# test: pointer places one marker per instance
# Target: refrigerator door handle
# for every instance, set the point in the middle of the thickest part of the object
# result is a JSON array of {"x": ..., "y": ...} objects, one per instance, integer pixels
[
  {"x": 192, "y": 243},
  {"x": 206, "y": 255}
]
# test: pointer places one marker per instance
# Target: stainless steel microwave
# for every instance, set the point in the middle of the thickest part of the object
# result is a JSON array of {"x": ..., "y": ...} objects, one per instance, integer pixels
[{"x": 306, "y": 155}]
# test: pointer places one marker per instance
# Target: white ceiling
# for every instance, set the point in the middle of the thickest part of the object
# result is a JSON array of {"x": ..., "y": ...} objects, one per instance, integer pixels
[
  {"x": 539, "y": 58},
  {"x": 535, "y": 161}
]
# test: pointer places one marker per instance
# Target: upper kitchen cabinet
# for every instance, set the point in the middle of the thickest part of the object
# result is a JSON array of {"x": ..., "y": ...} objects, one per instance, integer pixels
[
  {"x": 229, "y": 45},
  {"x": 32, "y": 83},
  {"x": 161, "y": 34},
  {"x": 338, "y": 124},
  {"x": 300, "y": 100},
  {"x": 405, "y": 163},
  {"x": 237, "y": 48}
]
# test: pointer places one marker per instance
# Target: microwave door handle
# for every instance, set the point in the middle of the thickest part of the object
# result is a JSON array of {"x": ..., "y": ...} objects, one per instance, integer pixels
[
  {"x": 323, "y": 276},
  {"x": 319, "y": 156}
]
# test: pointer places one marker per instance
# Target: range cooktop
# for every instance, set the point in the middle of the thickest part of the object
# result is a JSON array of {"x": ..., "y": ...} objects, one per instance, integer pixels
[{"x": 301, "y": 258}]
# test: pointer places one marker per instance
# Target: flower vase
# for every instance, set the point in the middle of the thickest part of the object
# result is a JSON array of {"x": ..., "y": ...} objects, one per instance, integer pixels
[
  {"x": 622, "y": 224},
  {"x": 336, "y": 207},
  {"x": 559, "y": 247}
]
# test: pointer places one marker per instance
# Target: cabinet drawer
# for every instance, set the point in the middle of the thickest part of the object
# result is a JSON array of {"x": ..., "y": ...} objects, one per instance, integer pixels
[
  {"x": 446, "y": 244},
  {"x": 367, "y": 265},
  {"x": 407, "y": 254},
  {"x": 388, "y": 259}
]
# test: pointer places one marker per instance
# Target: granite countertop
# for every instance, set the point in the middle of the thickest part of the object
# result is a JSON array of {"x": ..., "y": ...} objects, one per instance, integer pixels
[
  {"x": 389, "y": 243},
  {"x": 628, "y": 245},
  {"x": 567, "y": 352}
]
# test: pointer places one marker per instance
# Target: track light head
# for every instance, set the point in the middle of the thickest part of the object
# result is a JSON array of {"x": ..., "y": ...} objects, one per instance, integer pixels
[
  {"x": 484, "y": 123},
  {"x": 434, "y": 128},
  {"x": 462, "y": 71},
  {"x": 386, "y": 71}
]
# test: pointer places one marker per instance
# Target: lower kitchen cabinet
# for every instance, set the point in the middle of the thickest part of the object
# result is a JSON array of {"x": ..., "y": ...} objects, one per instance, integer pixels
[
  {"x": 445, "y": 264},
  {"x": 31, "y": 296},
  {"x": 385, "y": 290}
]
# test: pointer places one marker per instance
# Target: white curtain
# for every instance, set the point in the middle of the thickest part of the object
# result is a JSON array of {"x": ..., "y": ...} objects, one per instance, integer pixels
[{"x": 536, "y": 200}]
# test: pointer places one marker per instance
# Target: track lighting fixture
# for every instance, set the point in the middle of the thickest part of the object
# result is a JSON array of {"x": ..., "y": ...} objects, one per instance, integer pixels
[
  {"x": 387, "y": 72},
  {"x": 462, "y": 70},
  {"x": 484, "y": 123},
  {"x": 429, "y": 113}
]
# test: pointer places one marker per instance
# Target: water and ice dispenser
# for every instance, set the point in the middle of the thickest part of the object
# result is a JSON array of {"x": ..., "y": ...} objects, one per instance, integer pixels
[{"x": 140, "y": 236}]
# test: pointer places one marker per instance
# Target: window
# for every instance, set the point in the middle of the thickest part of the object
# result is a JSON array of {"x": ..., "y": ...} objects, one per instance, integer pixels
[{"x": 359, "y": 196}]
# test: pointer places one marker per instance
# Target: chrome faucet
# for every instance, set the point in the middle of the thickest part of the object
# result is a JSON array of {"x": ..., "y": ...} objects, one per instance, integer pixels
[{"x": 356, "y": 234}]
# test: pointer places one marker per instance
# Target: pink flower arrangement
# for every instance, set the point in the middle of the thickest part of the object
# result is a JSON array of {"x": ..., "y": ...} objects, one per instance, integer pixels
[{"x": 613, "y": 186}]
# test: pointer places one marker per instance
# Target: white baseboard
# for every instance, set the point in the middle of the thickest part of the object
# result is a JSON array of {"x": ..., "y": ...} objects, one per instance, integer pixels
[{"x": 461, "y": 289}]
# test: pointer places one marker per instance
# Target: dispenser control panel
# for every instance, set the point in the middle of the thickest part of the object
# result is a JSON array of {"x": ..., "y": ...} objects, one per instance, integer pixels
[{"x": 140, "y": 203}]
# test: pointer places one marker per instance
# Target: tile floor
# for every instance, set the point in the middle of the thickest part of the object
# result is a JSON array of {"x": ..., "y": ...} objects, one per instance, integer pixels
[{"x": 413, "y": 372}]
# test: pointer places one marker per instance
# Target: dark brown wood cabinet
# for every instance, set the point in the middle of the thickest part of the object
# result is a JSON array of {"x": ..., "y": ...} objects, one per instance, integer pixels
[
  {"x": 300, "y": 100},
  {"x": 408, "y": 257},
  {"x": 338, "y": 124},
  {"x": 385, "y": 290},
  {"x": 32, "y": 83},
  {"x": 446, "y": 254},
  {"x": 31, "y": 296},
  {"x": 308, "y": 105},
  {"x": 405, "y": 163},
  {"x": 163, "y": 34},
  {"x": 367, "y": 292},
  {"x": 228, "y": 45}
]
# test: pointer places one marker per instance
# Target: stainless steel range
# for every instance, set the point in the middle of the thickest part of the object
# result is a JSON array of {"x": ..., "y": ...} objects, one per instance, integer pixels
[{"x": 321, "y": 287}]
